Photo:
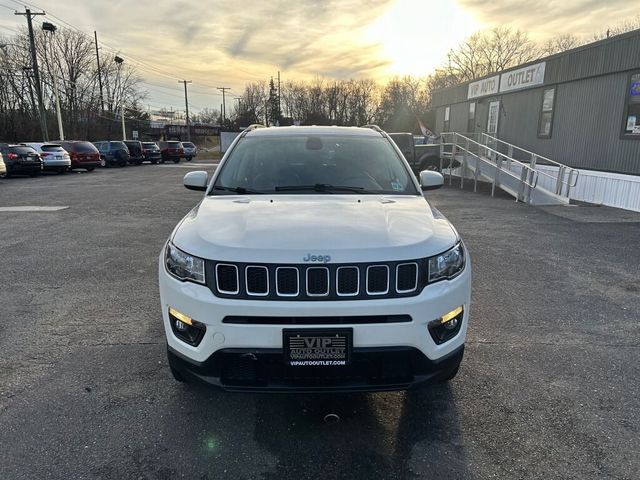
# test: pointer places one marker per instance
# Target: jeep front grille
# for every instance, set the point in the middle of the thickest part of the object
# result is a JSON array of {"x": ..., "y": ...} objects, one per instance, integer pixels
[{"x": 316, "y": 282}]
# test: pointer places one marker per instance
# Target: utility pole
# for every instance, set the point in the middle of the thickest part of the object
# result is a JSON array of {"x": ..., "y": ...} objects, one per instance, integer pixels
[
  {"x": 279, "y": 108},
  {"x": 224, "y": 114},
  {"x": 36, "y": 75},
  {"x": 95, "y": 35},
  {"x": 186, "y": 104}
]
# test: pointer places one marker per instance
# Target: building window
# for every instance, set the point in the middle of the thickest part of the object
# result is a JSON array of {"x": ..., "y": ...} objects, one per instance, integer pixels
[
  {"x": 471, "y": 122},
  {"x": 447, "y": 112},
  {"x": 632, "y": 111},
  {"x": 546, "y": 113}
]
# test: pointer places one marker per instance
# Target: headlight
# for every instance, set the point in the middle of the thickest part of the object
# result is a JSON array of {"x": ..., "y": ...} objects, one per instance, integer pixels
[
  {"x": 447, "y": 265},
  {"x": 184, "y": 266}
]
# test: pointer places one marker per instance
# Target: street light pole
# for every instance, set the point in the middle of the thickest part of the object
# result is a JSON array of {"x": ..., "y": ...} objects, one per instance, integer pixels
[
  {"x": 120, "y": 61},
  {"x": 51, "y": 28},
  {"x": 36, "y": 75}
]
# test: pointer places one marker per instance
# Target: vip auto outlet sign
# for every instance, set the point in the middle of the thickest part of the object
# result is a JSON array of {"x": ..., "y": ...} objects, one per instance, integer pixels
[{"x": 524, "y": 77}]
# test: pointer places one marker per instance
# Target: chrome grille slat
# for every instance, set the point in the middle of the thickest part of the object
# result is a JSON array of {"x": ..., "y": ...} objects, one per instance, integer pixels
[
  {"x": 377, "y": 274},
  {"x": 280, "y": 281},
  {"x": 223, "y": 270},
  {"x": 320, "y": 285},
  {"x": 253, "y": 275},
  {"x": 341, "y": 279},
  {"x": 404, "y": 270}
]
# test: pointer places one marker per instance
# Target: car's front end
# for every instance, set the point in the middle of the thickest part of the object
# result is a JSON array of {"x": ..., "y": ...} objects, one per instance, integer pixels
[
  {"x": 242, "y": 341},
  {"x": 329, "y": 288}
]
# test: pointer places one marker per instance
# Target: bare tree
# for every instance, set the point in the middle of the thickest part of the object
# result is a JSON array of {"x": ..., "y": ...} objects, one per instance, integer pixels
[
  {"x": 489, "y": 51},
  {"x": 618, "y": 28},
  {"x": 560, "y": 43}
]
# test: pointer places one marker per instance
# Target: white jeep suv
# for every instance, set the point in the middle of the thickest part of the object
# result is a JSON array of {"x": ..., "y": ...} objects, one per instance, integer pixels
[{"x": 314, "y": 263}]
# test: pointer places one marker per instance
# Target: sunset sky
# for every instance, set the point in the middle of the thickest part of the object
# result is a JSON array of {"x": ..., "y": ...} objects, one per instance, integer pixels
[{"x": 228, "y": 43}]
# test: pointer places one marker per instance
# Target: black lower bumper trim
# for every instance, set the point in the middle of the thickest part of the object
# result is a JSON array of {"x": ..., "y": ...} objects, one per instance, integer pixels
[{"x": 264, "y": 370}]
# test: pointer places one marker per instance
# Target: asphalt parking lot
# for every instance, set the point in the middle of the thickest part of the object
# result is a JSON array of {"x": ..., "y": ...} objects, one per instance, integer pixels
[{"x": 548, "y": 387}]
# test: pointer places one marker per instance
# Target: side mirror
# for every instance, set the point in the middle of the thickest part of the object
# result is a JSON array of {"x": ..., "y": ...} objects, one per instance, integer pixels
[
  {"x": 430, "y": 180},
  {"x": 196, "y": 181}
]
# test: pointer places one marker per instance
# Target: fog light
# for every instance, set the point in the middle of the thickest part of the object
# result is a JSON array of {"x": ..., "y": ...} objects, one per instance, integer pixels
[
  {"x": 181, "y": 326},
  {"x": 447, "y": 326},
  {"x": 186, "y": 328}
]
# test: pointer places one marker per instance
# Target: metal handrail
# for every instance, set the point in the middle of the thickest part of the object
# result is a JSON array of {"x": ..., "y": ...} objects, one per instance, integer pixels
[
  {"x": 510, "y": 160},
  {"x": 562, "y": 168}
]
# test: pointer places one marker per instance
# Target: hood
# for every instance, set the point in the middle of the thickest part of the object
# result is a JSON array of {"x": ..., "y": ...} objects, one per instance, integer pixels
[{"x": 287, "y": 228}]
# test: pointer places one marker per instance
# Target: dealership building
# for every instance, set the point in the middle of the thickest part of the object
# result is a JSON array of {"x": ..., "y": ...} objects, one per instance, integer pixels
[{"x": 580, "y": 108}]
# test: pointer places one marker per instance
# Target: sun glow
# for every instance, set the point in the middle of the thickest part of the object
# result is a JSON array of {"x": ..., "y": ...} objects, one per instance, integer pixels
[{"x": 415, "y": 35}]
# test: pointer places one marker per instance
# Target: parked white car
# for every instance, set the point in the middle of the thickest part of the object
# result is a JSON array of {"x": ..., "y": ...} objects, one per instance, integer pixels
[
  {"x": 54, "y": 157},
  {"x": 3, "y": 167},
  {"x": 314, "y": 263}
]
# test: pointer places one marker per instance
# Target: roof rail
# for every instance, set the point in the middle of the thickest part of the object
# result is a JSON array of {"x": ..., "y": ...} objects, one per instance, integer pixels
[
  {"x": 373, "y": 127},
  {"x": 251, "y": 127}
]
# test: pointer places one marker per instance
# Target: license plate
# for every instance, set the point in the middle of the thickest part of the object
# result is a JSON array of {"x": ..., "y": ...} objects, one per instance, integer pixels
[{"x": 318, "y": 347}]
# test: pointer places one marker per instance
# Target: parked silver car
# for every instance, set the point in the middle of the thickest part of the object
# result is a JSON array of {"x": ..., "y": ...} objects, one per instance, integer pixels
[
  {"x": 3, "y": 167},
  {"x": 54, "y": 157},
  {"x": 190, "y": 150}
]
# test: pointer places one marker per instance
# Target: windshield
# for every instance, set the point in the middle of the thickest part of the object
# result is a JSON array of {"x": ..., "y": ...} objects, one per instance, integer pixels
[
  {"x": 84, "y": 147},
  {"x": 52, "y": 148},
  {"x": 174, "y": 145},
  {"x": 188, "y": 145},
  {"x": 23, "y": 150},
  {"x": 314, "y": 164}
]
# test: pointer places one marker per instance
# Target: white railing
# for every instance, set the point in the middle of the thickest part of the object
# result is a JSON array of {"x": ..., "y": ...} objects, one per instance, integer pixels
[
  {"x": 563, "y": 180},
  {"x": 454, "y": 144}
]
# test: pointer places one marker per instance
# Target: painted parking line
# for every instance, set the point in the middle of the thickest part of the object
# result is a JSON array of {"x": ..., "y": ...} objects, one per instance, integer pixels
[
  {"x": 198, "y": 165},
  {"x": 31, "y": 208}
]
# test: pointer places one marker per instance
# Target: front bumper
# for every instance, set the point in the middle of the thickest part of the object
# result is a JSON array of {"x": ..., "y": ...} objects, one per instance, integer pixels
[
  {"x": 410, "y": 340},
  {"x": 371, "y": 370}
]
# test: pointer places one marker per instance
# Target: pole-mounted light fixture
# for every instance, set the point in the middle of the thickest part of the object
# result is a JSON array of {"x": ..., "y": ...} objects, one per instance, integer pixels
[
  {"x": 118, "y": 60},
  {"x": 49, "y": 27}
]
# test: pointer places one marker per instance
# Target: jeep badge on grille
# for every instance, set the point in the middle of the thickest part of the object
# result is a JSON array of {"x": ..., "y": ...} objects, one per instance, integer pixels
[{"x": 317, "y": 258}]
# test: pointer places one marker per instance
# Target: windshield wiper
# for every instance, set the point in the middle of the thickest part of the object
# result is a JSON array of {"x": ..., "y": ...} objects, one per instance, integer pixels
[
  {"x": 320, "y": 187},
  {"x": 239, "y": 190}
]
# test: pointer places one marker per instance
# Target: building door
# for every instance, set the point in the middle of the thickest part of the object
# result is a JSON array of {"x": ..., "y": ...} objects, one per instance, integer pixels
[{"x": 492, "y": 126}]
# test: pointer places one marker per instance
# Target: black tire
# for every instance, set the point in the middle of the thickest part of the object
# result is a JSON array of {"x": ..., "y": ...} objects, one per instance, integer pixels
[
  {"x": 153, "y": 162},
  {"x": 122, "y": 163},
  {"x": 189, "y": 159},
  {"x": 176, "y": 160},
  {"x": 451, "y": 375},
  {"x": 91, "y": 169},
  {"x": 138, "y": 162},
  {"x": 177, "y": 376},
  {"x": 35, "y": 174}
]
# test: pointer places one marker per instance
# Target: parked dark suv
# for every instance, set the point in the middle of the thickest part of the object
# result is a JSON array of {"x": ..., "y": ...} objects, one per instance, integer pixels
[
  {"x": 151, "y": 152},
  {"x": 83, "y": 154},
  {"x": 21, "y": 160},
  {"x": 136, "y": 153},
  {"x": 112, "y": 153},
  {"x": 171, "y": 150}
]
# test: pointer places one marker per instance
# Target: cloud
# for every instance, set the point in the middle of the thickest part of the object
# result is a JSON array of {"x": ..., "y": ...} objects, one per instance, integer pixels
[{"x": 543, "y": 19}]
